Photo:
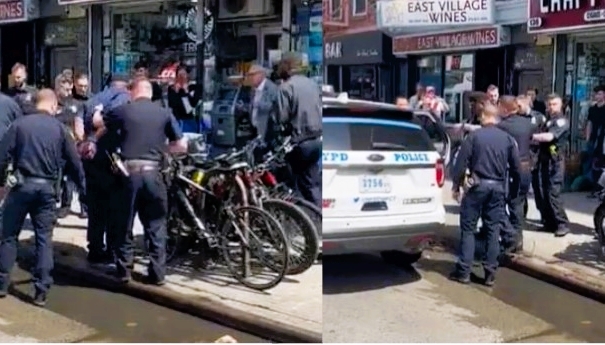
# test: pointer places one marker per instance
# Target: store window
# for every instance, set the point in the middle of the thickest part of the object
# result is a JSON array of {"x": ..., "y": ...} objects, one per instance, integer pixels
[
  {"x": 270, "y": 42},
  {"x": 429, "y": 71},
  {"x": 362, "y": 83},
  {"x": 160, "y": 39},
  {"x": 458, "y": 78}
]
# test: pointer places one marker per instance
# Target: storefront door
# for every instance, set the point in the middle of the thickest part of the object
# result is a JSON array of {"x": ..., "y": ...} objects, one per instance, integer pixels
[
  {"x": 267, "y": 38},
  {"x": 16, "y": 47}
]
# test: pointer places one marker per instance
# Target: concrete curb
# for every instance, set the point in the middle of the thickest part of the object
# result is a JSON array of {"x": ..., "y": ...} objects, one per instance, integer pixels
[
  {"x": 210, "y": 310},
  {"x": 584, "y": 285}
]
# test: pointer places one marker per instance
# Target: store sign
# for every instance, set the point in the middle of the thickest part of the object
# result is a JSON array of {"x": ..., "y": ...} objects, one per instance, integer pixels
[
  {"x": 415, "y": 13},
  {"x": 12, "y": 10},
  {"x": 188, "y": 22},
  {"x": 333, "y": 50},
  {"x": 557, "y": 15},
  {"x": 451, "y": 41}
]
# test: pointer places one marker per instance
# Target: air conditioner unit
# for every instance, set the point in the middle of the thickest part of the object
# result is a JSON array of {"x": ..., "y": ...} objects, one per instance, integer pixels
[{"x": 232, "y": 9}]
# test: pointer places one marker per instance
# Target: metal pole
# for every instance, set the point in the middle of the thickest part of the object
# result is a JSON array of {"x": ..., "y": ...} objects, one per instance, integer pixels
[{"x": 200, "y": 47}]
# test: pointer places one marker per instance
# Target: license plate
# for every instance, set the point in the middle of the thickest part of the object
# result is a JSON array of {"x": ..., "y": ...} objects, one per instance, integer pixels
[{"x": 373, "y": 184}]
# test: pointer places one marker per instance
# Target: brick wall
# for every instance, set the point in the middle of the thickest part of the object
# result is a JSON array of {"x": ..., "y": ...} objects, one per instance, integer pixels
[{"x": 349, "y": 24}]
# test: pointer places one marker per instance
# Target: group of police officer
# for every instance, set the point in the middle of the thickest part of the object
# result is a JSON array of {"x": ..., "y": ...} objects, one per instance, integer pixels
[
  {"x": 123, "y": 124},
  {"x": 513, "y": 147}
]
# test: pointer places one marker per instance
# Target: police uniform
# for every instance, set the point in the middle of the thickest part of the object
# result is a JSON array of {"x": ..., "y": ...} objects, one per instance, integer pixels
[
  {"x": 69, "y": 109},
  {"x": 538, "y": 120},
  {"x": 300, "y": 110},
  {"x": 38, "y": 147},
  {"x": 551, "y": 165},
  {"x": 488, "y": 151},
  {"x": 24, "y": 96},
  {"x": 522, "y": 130},
  {"x": 143, "y": 127}
]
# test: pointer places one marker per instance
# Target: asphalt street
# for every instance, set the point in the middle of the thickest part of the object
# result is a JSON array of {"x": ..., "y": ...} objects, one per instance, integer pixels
[
  {"x": 366, "y": 300},
  {"x": 87, "y": 314}
]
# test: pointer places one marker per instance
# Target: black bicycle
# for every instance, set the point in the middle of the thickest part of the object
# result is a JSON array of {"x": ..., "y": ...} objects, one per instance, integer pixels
[{"x": 208, "y": 209}]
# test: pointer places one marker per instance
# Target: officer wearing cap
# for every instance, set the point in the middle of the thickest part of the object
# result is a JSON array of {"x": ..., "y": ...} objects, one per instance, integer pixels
[
  {"x": 522, "y": 130},
  {"x": 485, "y": 153},
  {"x": 300, "y": 112},
  {"x": 22, "y": 93},
  {"x": 144, "y": 128},
  {"x": 552, "y": 166},
  {"x": 69, "y": 111},
  {"x": 38, "y": 147}
]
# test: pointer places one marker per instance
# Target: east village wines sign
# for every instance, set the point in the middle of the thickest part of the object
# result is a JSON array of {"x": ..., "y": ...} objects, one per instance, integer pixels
[
  {"x": 564, "y": 15},
  {"x": 435, "y": 13}
]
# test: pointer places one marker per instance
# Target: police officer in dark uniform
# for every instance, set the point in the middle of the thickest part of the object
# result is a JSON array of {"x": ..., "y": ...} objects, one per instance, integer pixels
[
  {"x": 22, "y": 93},
  {"x": 69, "y": 111},
  {"x": 552, "y": 166},
  {"x": 38, "y": 146},
  {"x": 300, "y": 111},
  {"x": 485, "y": 153},
  {"x": 144, "y": 127},
  {"x": 101, "y": 182},
  {"x": 522, "y": 130},
  {"x": 538, "y": 120}
]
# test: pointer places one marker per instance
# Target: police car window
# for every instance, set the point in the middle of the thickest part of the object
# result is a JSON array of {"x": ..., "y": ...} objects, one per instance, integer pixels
[{"x": 360, "y": 137}]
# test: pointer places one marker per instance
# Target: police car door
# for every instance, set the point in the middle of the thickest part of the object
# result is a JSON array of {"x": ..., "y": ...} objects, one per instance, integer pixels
[
  {"x": 437, "y": 133},
  {"x": 374, "y": 168}
]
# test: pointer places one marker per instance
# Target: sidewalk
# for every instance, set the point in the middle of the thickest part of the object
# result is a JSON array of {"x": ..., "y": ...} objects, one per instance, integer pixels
[
  {"x": 291, "y": 309},
  {"x": 574, "y": 260}
]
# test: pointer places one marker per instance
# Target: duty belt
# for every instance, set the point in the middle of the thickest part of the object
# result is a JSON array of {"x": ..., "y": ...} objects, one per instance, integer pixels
[{"x": 141, "y": 165}]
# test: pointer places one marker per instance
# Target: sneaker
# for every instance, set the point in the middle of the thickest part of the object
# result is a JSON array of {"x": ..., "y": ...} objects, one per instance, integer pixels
[
  {"x": 39, "y": 300},
  {"x": 3, "y": 293},
  {"x": 460, "y": 278},
  {"x": 489, "y": 280},
  {"x": 98, "y": 259},
  {"x": 63, "y": 212},
  {"x": 561, "y": 232}
]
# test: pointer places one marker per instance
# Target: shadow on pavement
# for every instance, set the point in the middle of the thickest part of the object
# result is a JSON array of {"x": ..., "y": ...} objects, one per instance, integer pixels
[
  {"x": 585, "y": 254},
  {"x": 362, "y": 272}
]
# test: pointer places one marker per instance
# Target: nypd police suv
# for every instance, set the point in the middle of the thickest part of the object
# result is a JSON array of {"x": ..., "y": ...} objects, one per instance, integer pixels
[{"x": 382, "y": 180}]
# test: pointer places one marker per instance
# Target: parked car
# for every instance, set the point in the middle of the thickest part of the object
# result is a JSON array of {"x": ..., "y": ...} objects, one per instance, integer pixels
[{"x": 382, "y": 181}]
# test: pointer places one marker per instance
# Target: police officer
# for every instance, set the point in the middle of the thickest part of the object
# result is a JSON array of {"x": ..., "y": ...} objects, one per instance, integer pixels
[
  {"x": 22, "y": 93},
  {"x": 69, "y": 111},
  {"x": 100, "y": 181},
  {"x": 300, "y": 111},
  {"x": 485, "y": 153},
  {"x": 38, "y": 146},
  {"x": 144, "y": 128},
  {"x": 552, "y": 166},
  {"x": 538, "y": 120},
  {"x": 522, "y": 130}
]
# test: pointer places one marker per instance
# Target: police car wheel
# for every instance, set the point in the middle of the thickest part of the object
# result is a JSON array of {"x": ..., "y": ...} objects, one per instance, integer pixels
[{"x": 399, "y": 258}]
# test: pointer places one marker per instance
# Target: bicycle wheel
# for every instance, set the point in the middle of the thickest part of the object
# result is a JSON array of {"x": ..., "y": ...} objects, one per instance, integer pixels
[
  {"x": 311, "y": 210},
  {"x": 264, "y": 255},
  {"x": 300, "y": 232}
]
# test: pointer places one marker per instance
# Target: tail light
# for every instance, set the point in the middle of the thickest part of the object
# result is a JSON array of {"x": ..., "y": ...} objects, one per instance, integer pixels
[
  {"x": 268, "y": 179},
  {"x": 327, "y": 203},
  {"x": 440, "y": 173}
]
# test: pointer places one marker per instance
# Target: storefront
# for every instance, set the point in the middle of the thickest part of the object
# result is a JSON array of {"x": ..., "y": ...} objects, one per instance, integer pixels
[
  {"x": 457, "y": 62},
  {"x": 579, "y": 63},
  {"x": 18, "y": 33},
  {"x": 359, "y": 64}
]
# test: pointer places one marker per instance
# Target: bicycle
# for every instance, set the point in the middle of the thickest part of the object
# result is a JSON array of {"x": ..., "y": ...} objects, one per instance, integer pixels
[{"x": 225, "y": 220}]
